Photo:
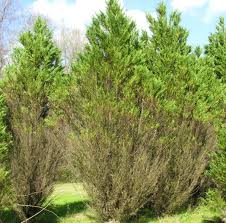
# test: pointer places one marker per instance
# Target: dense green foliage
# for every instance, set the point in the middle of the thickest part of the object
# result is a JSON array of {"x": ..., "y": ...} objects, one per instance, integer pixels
[
  {"x": 4, "y": 147},
  {"x": 216, "y": 51},
  {"x": 139, "y": 119},
  {"x": 186, "y": 85}
]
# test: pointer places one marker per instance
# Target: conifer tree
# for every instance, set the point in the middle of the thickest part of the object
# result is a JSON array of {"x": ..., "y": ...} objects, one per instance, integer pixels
[
  {"x": 116, "y": 149},
  {"x": 187, "y": 90},
  {"x": 29, "y": 87},
  {"x": 216, "y": 50}
]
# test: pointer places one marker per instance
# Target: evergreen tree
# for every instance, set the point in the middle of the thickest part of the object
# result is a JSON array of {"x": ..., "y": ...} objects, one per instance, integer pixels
[
  {"x": 216, "y": 50},
  {"x": 29, "y": 88},
  {"x": 187, "y": 90},
  {"x": 116, "y": 149}
]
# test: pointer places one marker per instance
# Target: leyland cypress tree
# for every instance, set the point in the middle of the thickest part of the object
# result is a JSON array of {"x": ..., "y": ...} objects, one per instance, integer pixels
[
  {"x": 216, "y": 50},
  {"x": 191, "y": 98},
  {"x": 30, "y": 82},
  {"x": 116, "y": 150}
]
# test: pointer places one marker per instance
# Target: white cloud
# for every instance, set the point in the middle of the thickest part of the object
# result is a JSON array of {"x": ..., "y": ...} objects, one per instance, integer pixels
[
  {"x": 211, "y": 8},
  {"x": 185, "y": 5},
  {"x": 73, "y": 15},
  {"x": 215, "y": 8},
  {"x": 139, "y": 17},
  {"x": 78, "y": 14}
]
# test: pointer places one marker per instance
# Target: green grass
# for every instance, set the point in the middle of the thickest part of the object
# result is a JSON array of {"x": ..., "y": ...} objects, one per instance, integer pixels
[
  {"x": 69, "y": 202},
  {"x": 198, "y": 215}
]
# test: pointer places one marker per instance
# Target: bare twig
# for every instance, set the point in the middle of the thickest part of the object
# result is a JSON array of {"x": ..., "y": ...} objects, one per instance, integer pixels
[{"x": 42, "y": 209}]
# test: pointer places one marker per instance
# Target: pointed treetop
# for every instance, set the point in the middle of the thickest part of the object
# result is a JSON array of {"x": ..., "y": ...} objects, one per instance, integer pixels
[
  {"x": 216, "y": 49},
  {"x": 36, "y": 62},
  {"x": 167, "y": 32},
  {"x": 112, "y": 24},
  {"x": 113, "y": 56}
]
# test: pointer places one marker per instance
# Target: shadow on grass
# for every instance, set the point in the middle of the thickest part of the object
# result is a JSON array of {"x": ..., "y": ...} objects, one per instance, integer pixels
[
  {"x": 61, "y": 211},
  {"x": 8, "y": 216},
  {"x": 143, "y": 216},
  {"x": 146, "y": 215}
]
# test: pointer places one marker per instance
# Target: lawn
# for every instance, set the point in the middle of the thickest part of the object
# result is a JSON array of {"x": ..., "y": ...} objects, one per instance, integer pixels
[{"x": 69, "y": 202}]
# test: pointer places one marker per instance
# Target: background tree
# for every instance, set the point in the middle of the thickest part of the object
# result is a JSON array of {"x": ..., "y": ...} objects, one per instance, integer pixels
[
  {"x": 29, "y": 87},
  {"x": 10, "y": 22},
  {"x": 71, "y": 42}
]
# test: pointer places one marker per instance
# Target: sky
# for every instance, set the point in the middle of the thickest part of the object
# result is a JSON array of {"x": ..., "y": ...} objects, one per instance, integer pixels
[{"x": 198, "y": 16}]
